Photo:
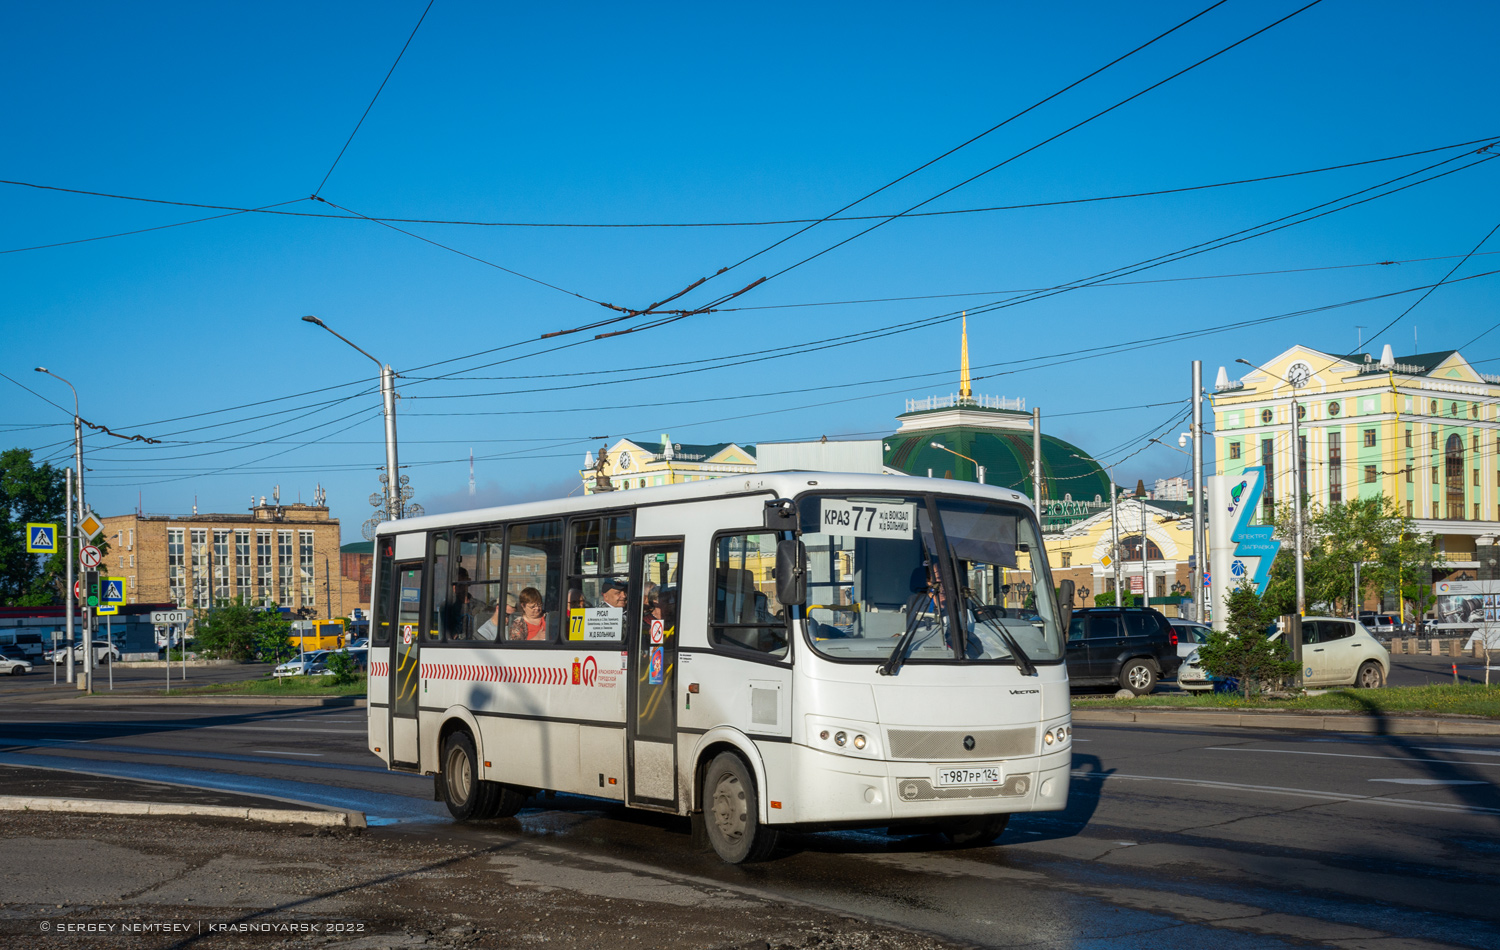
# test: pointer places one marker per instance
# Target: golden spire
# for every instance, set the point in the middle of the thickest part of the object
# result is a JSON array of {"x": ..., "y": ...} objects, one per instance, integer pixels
[{"x": 965, "y": 387}]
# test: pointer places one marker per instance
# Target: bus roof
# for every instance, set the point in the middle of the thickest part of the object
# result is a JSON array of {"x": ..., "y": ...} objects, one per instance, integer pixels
[{"x": 773, "y": 484}]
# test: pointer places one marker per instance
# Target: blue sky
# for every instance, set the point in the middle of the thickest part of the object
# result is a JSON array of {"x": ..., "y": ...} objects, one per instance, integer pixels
[{"x": 601, "y": 114}]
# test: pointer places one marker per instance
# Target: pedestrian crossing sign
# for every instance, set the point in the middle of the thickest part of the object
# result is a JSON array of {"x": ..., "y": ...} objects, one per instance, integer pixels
[
  {"x": 41, "y": 538},
  {"x": 112, "y": 591}
]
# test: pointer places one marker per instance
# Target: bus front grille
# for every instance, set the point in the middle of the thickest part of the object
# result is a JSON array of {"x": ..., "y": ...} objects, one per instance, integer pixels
[{"x": 949, "y": 745}]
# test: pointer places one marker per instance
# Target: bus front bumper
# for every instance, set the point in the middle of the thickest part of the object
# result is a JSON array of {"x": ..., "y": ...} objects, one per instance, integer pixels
[{"x": 826, "y": 788}]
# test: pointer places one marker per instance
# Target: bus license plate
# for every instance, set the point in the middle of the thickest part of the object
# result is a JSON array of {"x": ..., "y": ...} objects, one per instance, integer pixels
[{"x": 968, "y": 776}]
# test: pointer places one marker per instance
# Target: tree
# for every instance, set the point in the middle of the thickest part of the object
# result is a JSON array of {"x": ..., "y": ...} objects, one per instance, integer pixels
[
  {"x": 29, "y": 493},
  {"x": 1372, "y": 532},
  {"x": 234, "y": 630},
  {"x": 1242, "y": 651},
  {"x": 1107, "y": 599}
]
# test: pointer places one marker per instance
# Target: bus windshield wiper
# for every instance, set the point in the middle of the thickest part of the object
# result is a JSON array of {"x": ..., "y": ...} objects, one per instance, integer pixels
[
  {"x": 893, "y": 662},
  {"x": 982, "y": 614}
]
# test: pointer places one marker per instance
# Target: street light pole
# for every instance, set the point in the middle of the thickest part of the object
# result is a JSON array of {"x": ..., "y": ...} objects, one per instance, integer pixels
[
  {"x": 978, "y": 469},
  {"x": 388, "y": 399},
  {"x": 1200, "y": 535},
  {"x": 88, "y": 627}
]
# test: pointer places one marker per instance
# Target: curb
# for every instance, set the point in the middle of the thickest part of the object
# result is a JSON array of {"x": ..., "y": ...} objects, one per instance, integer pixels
[
  {"x": 210, "y": 700},
  {"x": 275, "y": 816},
  {"x": 1346, "y": 722}
]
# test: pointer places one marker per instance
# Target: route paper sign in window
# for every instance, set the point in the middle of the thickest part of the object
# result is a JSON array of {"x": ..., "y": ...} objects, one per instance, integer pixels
[
  {"x": 867, "y": 519},
  {"x": 596, "y": 623}
]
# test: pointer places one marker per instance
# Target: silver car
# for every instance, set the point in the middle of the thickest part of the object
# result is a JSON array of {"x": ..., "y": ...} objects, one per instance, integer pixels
[{"x": 303, "y": 664}]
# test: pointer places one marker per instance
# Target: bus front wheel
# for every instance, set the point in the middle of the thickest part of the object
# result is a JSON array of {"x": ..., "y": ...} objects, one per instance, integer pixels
[
  {"x": 731, "y": 812},
  {"x": 467, "y": 797}
]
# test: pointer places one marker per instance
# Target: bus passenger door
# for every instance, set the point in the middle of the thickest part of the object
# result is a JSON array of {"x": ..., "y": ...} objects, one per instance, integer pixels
[
  {"x": 651, "y": 632},
  {"x": 406, "y": 672}
]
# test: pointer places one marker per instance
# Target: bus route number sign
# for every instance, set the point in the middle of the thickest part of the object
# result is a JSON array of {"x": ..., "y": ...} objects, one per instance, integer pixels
[{"x": 868, "y": 519}]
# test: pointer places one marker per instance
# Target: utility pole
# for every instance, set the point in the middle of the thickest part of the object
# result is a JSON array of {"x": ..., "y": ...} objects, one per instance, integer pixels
[
  {"x": 1200, "y": 543},
  {"x": 88, "y": 617},
  {"x": 1114, "y": 538},
  {"x": 1036, "y": 461},
  {"x": 1145, "y": 560},
  {"x": 72, "y": 599}
]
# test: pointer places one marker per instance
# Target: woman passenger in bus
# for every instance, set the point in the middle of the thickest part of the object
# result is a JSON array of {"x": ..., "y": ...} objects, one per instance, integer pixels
[{"x": 531, "y": 622}]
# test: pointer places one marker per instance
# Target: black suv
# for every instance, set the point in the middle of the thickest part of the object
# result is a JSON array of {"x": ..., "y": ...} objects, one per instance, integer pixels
[{"x": 1133, "y": 647}]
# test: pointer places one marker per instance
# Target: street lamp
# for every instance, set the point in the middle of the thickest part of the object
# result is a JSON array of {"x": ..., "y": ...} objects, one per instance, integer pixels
[
  {"x": 1114, "y": 529},
  {"x": 978, "y": 469},
  {"x": 78, "y": 467},
  {"x": 388, "y": 397}
]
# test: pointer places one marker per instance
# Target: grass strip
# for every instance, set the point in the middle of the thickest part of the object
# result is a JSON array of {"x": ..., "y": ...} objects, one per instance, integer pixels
[
  {"x": 1463, "y": 699},
  {"x": 289, "y": 686}
]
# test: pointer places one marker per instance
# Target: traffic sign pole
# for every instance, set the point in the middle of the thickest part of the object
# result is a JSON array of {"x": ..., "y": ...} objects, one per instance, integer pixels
[{"x": 73, "y": 598}]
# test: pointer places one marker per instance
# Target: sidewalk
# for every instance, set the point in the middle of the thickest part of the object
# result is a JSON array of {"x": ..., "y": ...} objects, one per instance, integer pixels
[{"x": 33, "y": 790}]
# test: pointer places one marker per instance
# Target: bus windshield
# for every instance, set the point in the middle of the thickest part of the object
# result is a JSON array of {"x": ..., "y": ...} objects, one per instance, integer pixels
[{"x": 875, "y": 576}]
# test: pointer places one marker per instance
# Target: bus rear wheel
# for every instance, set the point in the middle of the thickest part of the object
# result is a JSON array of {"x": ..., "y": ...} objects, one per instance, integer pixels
[
  {"x": 467, "y": 797},
  {"x": 976, "y": 831},
  {"x": 731, "y": 812}
]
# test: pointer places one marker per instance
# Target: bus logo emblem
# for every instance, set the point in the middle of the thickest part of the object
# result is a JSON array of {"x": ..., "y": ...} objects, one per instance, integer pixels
[
  {"x": 968, "y": 743},
  {"x": 590, "y": 671}
]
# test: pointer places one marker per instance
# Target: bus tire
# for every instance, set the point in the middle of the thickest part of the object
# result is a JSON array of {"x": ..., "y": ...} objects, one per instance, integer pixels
[
  {"x": 731, "y": 812},
  {"x": 467, "y": 798},
  {"x": 975, "y": 831}
]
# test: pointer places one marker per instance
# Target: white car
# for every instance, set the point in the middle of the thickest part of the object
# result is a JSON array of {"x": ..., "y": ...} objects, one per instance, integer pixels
[
  {"x": 1190, "y": 636},
  {"x": 303, "y": 664},
  {"x": 104, "y": 652},
  {"x": 14, "y": 665},
  {"x": 1337, "y": 651}
]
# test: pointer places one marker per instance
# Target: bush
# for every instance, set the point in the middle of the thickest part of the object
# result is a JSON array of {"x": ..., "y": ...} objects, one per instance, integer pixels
[
  {"x": 343, "y": 668},
  {"x": 236, "y": 631},
  {"x": 1243, "y": 651}
]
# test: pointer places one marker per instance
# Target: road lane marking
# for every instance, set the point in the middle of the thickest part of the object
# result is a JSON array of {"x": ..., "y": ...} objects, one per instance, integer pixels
[
  {"x": 1444, "y": 748},
  {"x": 1350, "y": 755},
  {"x": 1428, "y": 781},
  {"x": 274, "y": 752},
  {"x": 1407, "y": 803}
]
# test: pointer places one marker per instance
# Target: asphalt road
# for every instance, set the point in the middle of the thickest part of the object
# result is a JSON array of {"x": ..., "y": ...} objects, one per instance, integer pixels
[
  {"x": 29, "y": 687},
  {"x": 1173, "y": 837}
]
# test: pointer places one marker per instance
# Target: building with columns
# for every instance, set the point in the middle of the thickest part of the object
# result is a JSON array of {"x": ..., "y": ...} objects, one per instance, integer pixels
[{"x": 1423, "y": 430}]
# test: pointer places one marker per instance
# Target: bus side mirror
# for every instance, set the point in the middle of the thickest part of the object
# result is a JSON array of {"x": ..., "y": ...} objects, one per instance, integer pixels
[
  {"x": 1065, "y": 598},
  {"x": 791, "y": 572}
]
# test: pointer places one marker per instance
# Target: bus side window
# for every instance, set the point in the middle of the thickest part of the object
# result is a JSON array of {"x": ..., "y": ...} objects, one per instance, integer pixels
[
  {"x": 381, "y": 602},
  {"x": 476, "y": 585},
  {"x": 534, "y": 578},
  {"x": 746, "y": 613},
  {"x": 440, "y": 605}
]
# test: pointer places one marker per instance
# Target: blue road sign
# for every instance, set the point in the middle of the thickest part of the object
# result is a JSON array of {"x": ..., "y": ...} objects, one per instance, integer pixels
[
  {"x": 41, "y": 538},
  {"x": 112, "y": 590}
]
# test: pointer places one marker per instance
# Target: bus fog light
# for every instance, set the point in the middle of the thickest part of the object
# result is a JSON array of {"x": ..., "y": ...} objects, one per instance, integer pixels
[
  {"x": 840, "y": 738},
  {"x": 823, "y": 735},
  {"x": 1046, "y": 789},
  {"x": 859, "y": 742}
]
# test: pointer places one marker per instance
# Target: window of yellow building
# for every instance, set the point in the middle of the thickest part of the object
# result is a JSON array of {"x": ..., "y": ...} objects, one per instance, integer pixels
[
  {"x": 1234, "y": 450},
  {"x": 1369, "y": 474},
  {"x": 1369, "y": 438}
]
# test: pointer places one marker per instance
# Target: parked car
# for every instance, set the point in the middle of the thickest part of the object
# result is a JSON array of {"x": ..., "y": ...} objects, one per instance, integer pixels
[
  {"x": 1382, "y": 625},
  {"x": 13, "y": 661},
  {"x": 1337, "y": 651},
  {"x": 1133, "y": 647},
  {"x": 1190, "y": 636},
  {"x": 104, "y": 652},
  {"x": 303, "y": 664}
]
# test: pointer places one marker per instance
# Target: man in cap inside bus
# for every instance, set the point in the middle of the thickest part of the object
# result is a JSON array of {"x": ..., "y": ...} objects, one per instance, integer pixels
[{"x": 613, "y": 593}]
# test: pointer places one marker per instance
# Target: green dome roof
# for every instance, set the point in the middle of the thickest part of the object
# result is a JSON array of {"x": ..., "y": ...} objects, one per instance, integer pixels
[{"x": 1005, "y": 454}]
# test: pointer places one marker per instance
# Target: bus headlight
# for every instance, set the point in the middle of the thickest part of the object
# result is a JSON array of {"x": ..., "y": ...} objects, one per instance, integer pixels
[
  {"x": 1049, "y": 738},
  {"x": 839, "y": 738},
  {"x": 1058, "y": 735},
  {"x": 859, "y": 742}
]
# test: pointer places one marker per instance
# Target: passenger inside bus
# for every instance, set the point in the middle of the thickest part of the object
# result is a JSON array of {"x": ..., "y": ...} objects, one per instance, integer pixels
[
  {"x": 613, "y": 593},
  {"x": 490, "y": 629},
  {"x": 531, "y": 622}
]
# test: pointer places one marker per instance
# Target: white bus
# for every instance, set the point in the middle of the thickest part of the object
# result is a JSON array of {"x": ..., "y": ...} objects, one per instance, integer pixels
[{"x": 759, "y": 653}]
